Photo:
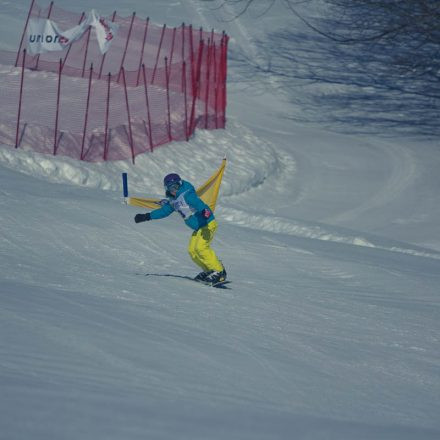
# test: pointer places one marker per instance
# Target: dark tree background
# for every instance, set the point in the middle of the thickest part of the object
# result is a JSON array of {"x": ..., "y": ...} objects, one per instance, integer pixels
[
  {"x": 380, "y": 61},
  {"x": 410, "y": 27}
]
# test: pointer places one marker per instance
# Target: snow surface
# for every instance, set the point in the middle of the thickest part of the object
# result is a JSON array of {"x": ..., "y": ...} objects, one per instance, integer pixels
[{"x": 330, "y": 328}]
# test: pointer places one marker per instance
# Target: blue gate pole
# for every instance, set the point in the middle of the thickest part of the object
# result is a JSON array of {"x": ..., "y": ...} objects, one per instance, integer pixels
[{"x": 125, "y": 186}]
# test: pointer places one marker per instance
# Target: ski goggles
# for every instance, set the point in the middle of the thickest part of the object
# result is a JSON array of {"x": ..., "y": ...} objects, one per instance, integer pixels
[{"x": 172, "y": 186}]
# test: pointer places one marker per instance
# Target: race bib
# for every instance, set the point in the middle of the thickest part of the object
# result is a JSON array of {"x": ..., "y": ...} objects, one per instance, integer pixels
[{"x": 182, "y": 207}]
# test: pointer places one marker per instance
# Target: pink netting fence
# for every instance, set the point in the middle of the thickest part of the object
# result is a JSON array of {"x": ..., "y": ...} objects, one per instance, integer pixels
[{"x": 154, "y": 85}]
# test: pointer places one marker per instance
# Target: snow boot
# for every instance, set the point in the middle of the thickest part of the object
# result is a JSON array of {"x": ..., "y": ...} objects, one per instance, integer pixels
[
  {"x": 215, "y": 277},
  {"x": 201, "y": 276}
]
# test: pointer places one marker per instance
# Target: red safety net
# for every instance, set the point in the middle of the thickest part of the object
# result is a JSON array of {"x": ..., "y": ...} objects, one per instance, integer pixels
[{"x": 154, "y": 85}]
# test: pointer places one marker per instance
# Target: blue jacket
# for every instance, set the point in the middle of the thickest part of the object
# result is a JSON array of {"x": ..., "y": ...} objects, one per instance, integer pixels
[{"x": 188, "y": 204}]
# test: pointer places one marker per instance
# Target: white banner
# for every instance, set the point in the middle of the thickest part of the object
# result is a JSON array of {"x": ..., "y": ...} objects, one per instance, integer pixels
[
  {"x": 45, "y": 36},
  {"x": 105, "y": 30}
]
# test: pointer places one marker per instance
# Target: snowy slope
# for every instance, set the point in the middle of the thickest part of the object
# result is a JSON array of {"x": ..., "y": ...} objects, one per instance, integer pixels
[{"x": 330, "y": 328}]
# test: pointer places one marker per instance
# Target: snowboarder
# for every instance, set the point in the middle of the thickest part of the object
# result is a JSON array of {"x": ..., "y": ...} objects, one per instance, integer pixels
[{"x": 182, "y": 197}]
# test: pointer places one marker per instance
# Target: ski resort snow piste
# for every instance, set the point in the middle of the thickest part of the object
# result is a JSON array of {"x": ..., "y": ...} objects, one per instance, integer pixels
[{"x": 109, "y": 88}]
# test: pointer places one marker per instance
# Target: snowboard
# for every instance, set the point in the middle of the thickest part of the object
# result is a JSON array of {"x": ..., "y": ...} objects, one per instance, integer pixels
[{"x": 219, "y": 285}]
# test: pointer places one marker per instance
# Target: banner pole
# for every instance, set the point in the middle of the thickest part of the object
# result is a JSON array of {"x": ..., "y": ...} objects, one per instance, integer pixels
[
  {"x": 55, "y": 141},
  {"x": 167, "y": 79},
  {"x": 48, "y": 16},
  {"x": 224, "y": 79},
  {"x": 183, "y": 43},
  {"x": 24, "y": 32},
  {"x": 70, "y": 45},
  {"x": 21, "y": 98},
  {"x": 107, "y": 112},
  {"x": 103, "y": 57},
  {"x": 192, "y": 122},
  {"x": 128, "y": 115},
  {"x": 87, "y": 112},
  {"x": 215, "y": 84},
  {"x": 126, "y": 46},
  {"x": 191, "y": 50},
  {"x": 141, "y": 61},
  {"x": 208, "y": 74},
  {"x": 150, "y": 136},
  {"x": 158, "y": 53},
  {"x": 185, "y": 100},
  {"x": 171, "y": 55},
  {"x": 86, "y": 52}
]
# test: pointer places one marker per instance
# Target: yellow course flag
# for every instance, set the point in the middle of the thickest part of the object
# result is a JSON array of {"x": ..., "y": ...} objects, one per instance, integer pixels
[
  {"x": 144, "y": 203},
  {"x": 208, "y": 192}
]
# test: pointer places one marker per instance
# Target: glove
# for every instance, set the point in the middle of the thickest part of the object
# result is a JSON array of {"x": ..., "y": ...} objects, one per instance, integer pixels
[
  {"x": 206, "y": 213},
  {"x": 142, "y": 217}
]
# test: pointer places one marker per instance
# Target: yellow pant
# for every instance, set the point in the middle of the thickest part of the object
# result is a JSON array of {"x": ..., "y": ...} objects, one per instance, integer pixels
[{"x": 200, "y": 251}]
